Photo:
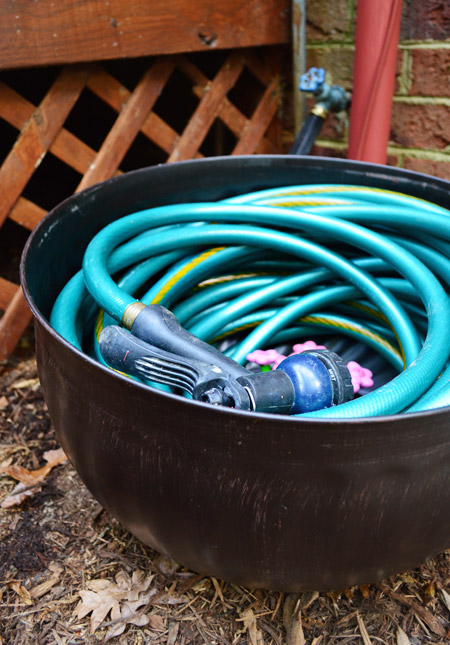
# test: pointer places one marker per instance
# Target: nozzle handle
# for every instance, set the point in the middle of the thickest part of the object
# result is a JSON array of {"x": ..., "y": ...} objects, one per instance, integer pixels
[
  {"x": 204, "y": 381},
  {"x": 158, "y": 326}
]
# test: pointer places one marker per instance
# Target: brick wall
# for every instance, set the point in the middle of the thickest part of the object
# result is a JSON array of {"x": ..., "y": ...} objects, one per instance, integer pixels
[{"x": 420, "y": 125}]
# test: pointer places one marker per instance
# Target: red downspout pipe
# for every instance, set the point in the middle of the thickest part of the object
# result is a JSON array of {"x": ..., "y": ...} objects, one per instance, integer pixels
[{"x": 377, "y": 34}]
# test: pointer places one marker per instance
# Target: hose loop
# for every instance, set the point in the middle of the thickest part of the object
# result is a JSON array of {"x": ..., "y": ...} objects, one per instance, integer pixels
[{"x": 362, "y": 261}]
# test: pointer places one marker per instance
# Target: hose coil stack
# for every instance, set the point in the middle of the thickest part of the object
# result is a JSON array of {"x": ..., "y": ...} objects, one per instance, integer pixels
[{"x": 266, "y": 267}]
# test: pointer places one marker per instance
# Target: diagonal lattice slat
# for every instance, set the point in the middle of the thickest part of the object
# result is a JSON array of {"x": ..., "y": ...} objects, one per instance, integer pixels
[
  {"x": 128, "y": 123},
  {"x": 38, "y": 134},
  {"x": 109, "y": 90},
  {"x": 172, "y": 111},
  {"x": 202, "y": 119},
  {"x": 16, "y": 110}
]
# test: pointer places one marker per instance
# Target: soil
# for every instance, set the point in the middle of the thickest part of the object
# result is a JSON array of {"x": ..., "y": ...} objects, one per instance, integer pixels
[{"x": 60, "y": 542}]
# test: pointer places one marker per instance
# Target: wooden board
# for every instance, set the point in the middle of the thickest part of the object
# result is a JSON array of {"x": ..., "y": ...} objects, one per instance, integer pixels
[
  {"x": 65, "y": 31},
  {"x": 49, "y": 133}
]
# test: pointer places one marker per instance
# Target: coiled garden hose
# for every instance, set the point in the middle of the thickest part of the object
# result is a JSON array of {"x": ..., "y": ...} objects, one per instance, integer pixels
[{"x": 264, "y": 267}]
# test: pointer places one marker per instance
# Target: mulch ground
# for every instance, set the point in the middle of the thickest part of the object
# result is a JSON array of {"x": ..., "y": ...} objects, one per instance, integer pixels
[{"x": 69, "y": 573}]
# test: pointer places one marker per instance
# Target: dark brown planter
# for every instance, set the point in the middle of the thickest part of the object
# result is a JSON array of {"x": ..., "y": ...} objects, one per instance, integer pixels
[{"x": 257, "y": 499}]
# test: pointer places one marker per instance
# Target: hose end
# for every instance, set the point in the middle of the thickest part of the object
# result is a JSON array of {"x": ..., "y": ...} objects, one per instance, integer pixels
[{"x": 320, "y": 378}]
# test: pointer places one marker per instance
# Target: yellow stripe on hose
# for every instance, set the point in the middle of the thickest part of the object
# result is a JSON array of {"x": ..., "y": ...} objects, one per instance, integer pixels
[
  {"x": 342, "y": 189},
  {"x": 304, "y": 202},
  {"x": 235, "y": 330},
  {"x": 363, "y": 332},
  {"x": 99, "y": 324},
  {"x": 174, "y": 279},
  {"x": 323, "y": 320},
  {"x": 377, "y": 314},
  {"x": 237, "y": 276}
]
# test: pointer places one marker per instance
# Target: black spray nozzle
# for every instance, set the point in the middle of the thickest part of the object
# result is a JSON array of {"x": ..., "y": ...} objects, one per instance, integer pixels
[
  {"x": 204, "y": 381},
  {"x": 158, "y": 349}
]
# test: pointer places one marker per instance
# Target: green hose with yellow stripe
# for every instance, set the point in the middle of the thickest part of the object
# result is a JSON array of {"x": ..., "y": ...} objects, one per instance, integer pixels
[{"x": 256, "y": 268}]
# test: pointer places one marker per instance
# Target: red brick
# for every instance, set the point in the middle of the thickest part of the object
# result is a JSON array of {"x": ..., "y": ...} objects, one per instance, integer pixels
[
  {"x": 323, "y": 151},
  {"x": 337, "y": 62},
  {"x": 326, "y": 20},
  {"x": 430, "y": 72},
  {"x": 335, "y": 127},
  {"x": 392, "y": 160},
  {"x": 429, "y": 167},
  {"x": 425, "y": 19},
  {"x": 421, "y": 126}
]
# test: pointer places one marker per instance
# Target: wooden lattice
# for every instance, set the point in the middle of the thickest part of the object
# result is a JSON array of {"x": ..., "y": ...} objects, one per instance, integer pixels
[{"x": 180, "y": 107}]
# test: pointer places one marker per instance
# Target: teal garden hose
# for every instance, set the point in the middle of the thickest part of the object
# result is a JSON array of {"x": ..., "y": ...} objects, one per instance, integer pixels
[{"x": 265, "y": 267}]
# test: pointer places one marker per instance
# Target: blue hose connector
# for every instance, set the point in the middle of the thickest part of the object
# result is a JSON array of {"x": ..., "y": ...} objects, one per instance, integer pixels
[{"x": 320, "y": 379}]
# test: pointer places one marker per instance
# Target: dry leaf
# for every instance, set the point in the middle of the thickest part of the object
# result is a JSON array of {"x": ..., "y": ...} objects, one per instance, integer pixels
[
  {"x": 3, "y": 402},
  {"x": 18, "y": 495},
  {"x": 102, "y": 598},
  {"x": 402, "y": 638},
  {"x": 29, "y": 478},
  {"x": 21, "y": 591},
  {"x": 122, "y": 599},
  {"x": 33, "y": 477},
  {"x": 156, "y": 622}
]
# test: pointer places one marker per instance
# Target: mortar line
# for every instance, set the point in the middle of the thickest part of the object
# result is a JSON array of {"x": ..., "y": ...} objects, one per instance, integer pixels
[{"x": 415, "y": 153}]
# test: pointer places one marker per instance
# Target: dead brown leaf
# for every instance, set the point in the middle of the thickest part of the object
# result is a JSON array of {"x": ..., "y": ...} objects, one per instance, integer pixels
[
  {"x": 18, "y": 495},
  {"x": 21, "y": 591},
  {"x": 158, "y": 623},
  {"x": 29, "y": 479},
  {"x": 3, "y": 402},
  {"x": 33, "y": 477},
  {"x": 121, "y": 599}
]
